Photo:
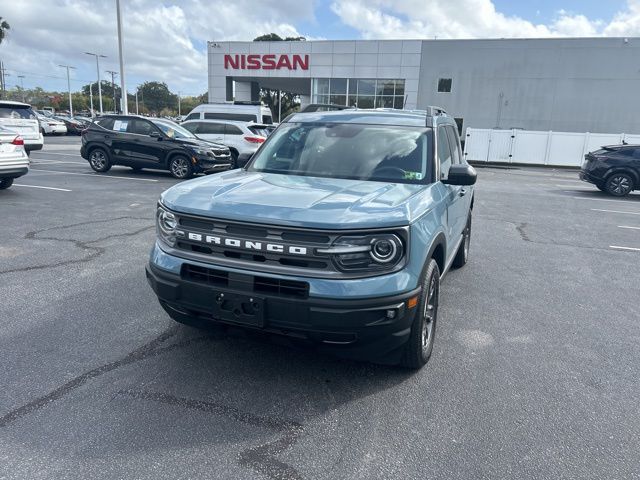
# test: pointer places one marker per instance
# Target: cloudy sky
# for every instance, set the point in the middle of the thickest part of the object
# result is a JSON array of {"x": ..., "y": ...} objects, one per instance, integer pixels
[{"x": 166, "y": 40}]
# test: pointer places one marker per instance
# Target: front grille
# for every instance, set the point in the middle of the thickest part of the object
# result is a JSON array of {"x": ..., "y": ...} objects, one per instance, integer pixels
[{"x": 249, "y": 283}]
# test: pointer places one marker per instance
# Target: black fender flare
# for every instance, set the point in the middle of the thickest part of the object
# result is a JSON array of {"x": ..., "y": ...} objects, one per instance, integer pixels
[{"x": 628, "y": 171}]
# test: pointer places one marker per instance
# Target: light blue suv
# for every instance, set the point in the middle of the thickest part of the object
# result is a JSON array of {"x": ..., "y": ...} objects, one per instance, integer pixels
[{"x": 338, "y": 231}]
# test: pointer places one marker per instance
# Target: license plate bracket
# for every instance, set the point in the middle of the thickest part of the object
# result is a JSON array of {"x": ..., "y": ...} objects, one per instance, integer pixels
[{"x": 239, "y": 308}]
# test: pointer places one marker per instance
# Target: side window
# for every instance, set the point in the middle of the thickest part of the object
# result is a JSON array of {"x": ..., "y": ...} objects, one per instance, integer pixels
[
  {"x": 105, "y": 123},
  {"x": 141, "y": 127},
  {"x": 192, "y": 127},
  {"x": 193, "y": 116},
  {"x": 444, "y": 153},
  {"x": 210, "y": 128},
  {"x": 232, "y": 130},
  {"x": 453, "y": 144}
]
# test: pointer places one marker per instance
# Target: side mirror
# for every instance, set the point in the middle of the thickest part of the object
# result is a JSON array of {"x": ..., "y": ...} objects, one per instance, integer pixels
[
  {"x": 461, "y": 175},
  {"x": 155, "y": 135},
  {"x": 243, "y": 159}
]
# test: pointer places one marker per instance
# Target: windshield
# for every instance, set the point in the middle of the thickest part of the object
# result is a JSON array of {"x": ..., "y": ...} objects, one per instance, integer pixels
[
  {"x": 17, "y": 111},
  {"x": 172, "y": 130},
  {"x": 344, "y": 150}
]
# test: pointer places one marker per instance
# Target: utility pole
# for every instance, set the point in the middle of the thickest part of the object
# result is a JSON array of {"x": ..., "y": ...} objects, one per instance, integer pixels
[
  {"x": 179, "y": 113},
  {"x": 3, "y": 79},
  {"x": 69, "y": 87},
  {"x": 21, "y": 87},
  {"x": 98, "y": 57},
  {"x": 123, "y": 88},
  {"x": 137, "y": 112},
  {"x": 113, "y": 88},
  {"x": 91, "y": 97}
]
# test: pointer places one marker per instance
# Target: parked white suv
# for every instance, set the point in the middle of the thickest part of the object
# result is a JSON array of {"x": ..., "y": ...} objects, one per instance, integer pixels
[
  {"x": 241, "y": 137},
  {"x": 237, "y": 111},
  {"x": 21, "y": 119},
  {"x": 51, "y": 126},
  {"x": 14, "y": 161}
]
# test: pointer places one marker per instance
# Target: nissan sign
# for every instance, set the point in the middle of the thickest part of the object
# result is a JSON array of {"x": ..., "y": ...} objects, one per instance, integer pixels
[{"x": 266, "y": 62}]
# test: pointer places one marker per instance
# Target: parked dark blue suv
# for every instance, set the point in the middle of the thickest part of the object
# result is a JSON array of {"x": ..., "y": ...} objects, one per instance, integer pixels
[{"x": 337, "y": 231}]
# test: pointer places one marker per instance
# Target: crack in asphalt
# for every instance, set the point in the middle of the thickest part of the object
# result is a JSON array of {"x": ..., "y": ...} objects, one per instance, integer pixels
[
  {"x": 95, "y": 251},
  {"x": 262, "y": 458},
  {"x": 521, "y": 230},
  {"x": 150, "y": 349}
]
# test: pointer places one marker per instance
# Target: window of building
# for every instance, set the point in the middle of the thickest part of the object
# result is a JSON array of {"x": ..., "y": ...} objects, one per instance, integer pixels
[
  {"x": 444, "y": 85},
  {"x": 359, "y": 92}
]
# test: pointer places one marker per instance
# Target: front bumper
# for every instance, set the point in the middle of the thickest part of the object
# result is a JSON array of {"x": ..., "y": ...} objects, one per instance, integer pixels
[
  {"x": 367, "y": 328},
  {"x": 206, "y": 164}
]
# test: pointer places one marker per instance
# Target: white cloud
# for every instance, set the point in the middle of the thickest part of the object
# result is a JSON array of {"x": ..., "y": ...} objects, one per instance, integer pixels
[
  {"x": 162, "y": 42},
  {"x": 471, "y": 19}
]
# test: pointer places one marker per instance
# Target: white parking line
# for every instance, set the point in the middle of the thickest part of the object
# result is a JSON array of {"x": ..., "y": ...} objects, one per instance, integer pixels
[
  {"x": 631, "y": 228},
  {"x": 603, "y": 199},
  {"x": 614, "y": 211},
  {"x": 632, "y": 249},
  {"x": 96, "y": 175},
  {"x": 45, "y": 188}
]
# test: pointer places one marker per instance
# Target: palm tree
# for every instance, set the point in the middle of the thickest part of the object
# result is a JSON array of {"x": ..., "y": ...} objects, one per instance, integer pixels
[{"x": 4, "y": 26}]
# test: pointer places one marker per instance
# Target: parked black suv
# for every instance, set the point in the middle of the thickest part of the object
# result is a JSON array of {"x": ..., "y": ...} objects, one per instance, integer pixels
[
  {"x": 140, "y": 142},
  {"x": 614, "y": 169}
]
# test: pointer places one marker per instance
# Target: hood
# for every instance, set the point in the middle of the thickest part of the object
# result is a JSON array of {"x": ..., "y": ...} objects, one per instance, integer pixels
[
  {"x": 312, "y": 202},
  {"x": 196, "y": 142}
]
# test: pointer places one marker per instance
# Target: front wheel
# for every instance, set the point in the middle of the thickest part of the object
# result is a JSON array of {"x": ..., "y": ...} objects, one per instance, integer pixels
[
  {"x": 420, "y": 344},
  {"x": 619, "y": 184},
  {"x": 462, "y": 255},
  {"x": 5, "y": 183},
  {"x": 180, "y": 167},
  {"x": 99, "y": 160}
]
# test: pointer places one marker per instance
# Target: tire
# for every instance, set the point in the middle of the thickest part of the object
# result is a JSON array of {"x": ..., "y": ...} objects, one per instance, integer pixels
[
  {"x": 462, "y": 255},
  {"x": 180, "y": 167},
  {"x": 5, "y": 183},
  {"x": 420, "y": 344},
  {"x": 99, "y": 160},
  {"x": 619, "y": 184},
  {"x": 234, "y": 159}
]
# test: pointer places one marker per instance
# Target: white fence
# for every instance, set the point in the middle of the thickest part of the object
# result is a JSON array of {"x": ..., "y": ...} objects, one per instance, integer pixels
[{"x": 537, "y": 147}]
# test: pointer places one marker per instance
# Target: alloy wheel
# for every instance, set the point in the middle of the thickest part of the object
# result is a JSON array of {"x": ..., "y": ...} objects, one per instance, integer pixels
[
  {"x": 430, "y": 313},
  {"x": 180, "y": 167},
  {"x": 620, "y": 185},
  {"x": 98, "y": 160}
]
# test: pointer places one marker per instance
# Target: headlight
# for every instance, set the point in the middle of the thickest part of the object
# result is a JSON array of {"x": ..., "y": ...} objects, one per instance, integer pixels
[
  {"x": 366, "y": 252},
  {"x": 200, "y": 151},
  {"x": 166, "y": 224}
]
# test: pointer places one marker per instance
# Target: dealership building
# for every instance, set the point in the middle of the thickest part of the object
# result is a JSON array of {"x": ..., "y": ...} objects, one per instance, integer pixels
[{"x": 571, "y": 85}]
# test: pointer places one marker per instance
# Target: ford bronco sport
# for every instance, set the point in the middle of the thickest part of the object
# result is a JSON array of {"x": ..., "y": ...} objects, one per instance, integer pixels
[{"x": 337, "y": 231}]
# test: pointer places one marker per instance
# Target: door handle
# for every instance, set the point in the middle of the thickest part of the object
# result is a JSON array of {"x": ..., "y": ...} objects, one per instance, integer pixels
[{"x": 462, "y": 192}]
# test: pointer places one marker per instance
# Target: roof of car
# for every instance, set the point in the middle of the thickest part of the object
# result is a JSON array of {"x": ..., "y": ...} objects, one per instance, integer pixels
[
  {"x": 222, "y": 120},
  {"x": 411, "y": 118},
  {"x": 11, "y": 102}
]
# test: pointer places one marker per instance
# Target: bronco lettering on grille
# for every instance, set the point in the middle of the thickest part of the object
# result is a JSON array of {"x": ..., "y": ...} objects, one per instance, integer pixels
[{"x": 253, "y": 245}]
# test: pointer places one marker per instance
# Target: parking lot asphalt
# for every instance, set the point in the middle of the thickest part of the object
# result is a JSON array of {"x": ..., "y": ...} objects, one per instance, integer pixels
[{"x": 535, "y": 371}]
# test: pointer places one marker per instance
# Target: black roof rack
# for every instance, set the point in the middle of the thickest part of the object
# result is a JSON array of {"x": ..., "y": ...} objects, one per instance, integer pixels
[{"x": 324, "y": 107}]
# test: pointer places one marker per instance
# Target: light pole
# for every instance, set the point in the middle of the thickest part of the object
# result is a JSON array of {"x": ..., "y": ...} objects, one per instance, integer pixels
[
  {"x": 91, "y": 97},
  {"x": 69, "y": 88},
  {"x": 113, "y": 88},
  {"x": 98, "y": 57},
  {"x": 21, "y": 86},
  {"x": 123, "y": 88},
  {"x": 137, "y": 112},
  {"x": 179, "y": 113}
]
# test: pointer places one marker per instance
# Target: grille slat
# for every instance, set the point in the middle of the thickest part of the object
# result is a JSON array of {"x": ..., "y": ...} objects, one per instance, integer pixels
[{"x": 254, "y": 283}]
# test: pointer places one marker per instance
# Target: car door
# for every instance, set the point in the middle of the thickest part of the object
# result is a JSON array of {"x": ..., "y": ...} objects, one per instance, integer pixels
[
  {"x": 146, "y": 150},
  {"x": 451, "y": 197},
  {"x": 120, "y": 141},
  {"x": 463, "y": 199}
]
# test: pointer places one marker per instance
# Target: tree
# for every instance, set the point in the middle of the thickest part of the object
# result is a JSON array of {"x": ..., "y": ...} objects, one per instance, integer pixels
[
  {"x": 155, "y": 96},
  {"x": 4, "y": 26},
  {"x": 290, "y": 101}
]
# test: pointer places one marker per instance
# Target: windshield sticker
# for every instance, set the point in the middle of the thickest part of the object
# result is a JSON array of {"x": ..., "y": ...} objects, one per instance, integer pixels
[
  {"x": 120, "y": 126},
  {"x": 412, "y": 176}
]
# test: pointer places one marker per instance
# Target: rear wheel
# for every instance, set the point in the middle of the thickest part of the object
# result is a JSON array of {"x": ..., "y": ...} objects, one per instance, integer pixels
[
  {"x": 180, "y": 167},
  {"x": 462, "y": 256},
  {"x": 99, "y": 160},
  {"x": 5, "y": 183},
  {"x": 420, "y": 345},
  {"x": 619, "y": 184}
]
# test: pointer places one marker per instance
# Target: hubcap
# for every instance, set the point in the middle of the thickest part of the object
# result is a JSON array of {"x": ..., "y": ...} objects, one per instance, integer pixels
[
  {"x": 430, "y": 313},
  {"x": 98, "y": 159},
  {"x": 620, "y": 184},
  {"x": 179, "y": 167}
]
